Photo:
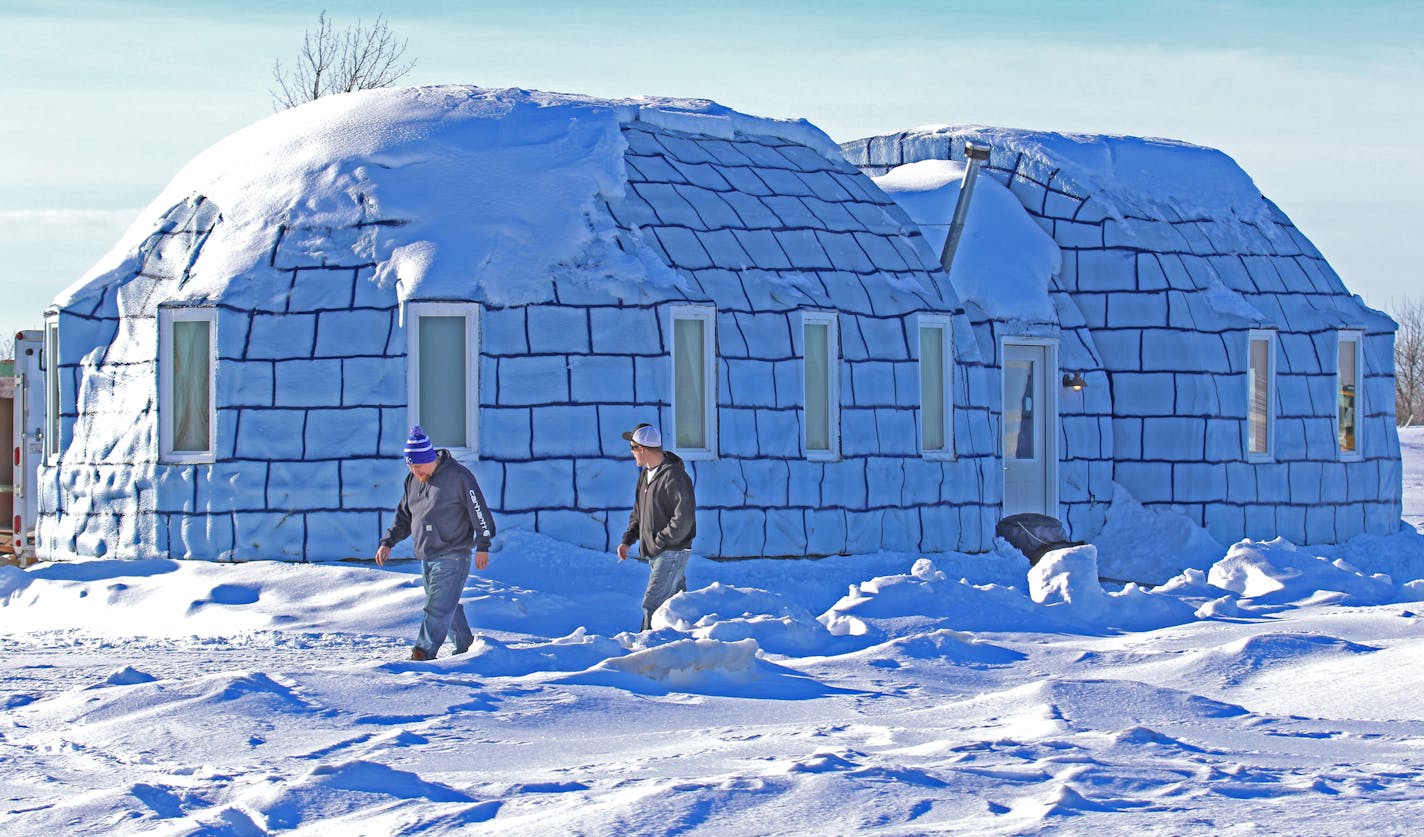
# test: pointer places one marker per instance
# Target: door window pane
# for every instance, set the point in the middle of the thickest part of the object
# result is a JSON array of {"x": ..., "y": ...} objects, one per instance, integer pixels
[
  {"x": 443, "y": 396},
  {"x": 192, "y": 386},
  {"x": 690, "y": 382},
  {"x": 1019, "y": 441},
  {"x": 932, "y": 389}
]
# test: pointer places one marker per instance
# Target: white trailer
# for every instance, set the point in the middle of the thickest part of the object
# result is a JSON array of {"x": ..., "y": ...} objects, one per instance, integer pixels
[
  {"x": 27, "y": 432},
  {"x": 7, "y": 464}
]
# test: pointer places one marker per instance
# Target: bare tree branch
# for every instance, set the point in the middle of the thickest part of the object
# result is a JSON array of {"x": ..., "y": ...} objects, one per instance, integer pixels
[
  {"x": 1408, "y": 361},
  {"x": 359, "y": 57}
]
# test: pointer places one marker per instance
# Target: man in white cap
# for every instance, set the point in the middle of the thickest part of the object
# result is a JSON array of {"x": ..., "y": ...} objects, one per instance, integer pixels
[
  {"x": 445, "y": 510},
  {"x": 664, "y": 518}
]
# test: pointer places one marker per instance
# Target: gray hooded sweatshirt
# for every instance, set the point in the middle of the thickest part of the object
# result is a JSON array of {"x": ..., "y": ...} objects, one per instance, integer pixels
[{"x": 446, "y": 515}]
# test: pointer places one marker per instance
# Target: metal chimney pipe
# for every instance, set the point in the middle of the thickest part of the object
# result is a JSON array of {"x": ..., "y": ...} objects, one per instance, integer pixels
[{"x": 976, "y": 154}]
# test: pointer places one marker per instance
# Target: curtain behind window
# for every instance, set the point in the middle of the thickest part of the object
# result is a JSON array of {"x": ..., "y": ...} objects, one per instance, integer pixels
[
  {"x": 690, "y": 383},
  {"x": 932, "y": 388},
  {"x": 192, "y": 386},
  {"x": 442, "y": 380}
]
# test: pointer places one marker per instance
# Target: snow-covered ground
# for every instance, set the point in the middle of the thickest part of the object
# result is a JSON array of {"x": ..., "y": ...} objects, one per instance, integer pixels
[{"x": 1277, "y": 691}]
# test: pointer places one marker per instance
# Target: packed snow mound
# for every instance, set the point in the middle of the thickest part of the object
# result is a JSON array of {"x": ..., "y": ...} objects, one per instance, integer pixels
[
  {"x": 731, "y": 614},
  {"x": 684, "y": 662},
  {"x": 1239, "y": 661},
  {"x": 1004, "y": 260},
  {"x": 443, "y": 188},
  {"x": 491, "y": 657},
  {"x": 1150, "y": 546},
  {"x": 1142, "y": 176},
  {"x": 1400, "y": 556},
  {"x": 1068, "y": 577},
  {"x": 1277, "y": 571}
]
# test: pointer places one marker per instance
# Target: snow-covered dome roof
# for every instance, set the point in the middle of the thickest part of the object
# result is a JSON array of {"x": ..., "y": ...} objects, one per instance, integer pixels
[
  {"x": 456, "y": 192},
  {"x": 1149, "y": 215}
]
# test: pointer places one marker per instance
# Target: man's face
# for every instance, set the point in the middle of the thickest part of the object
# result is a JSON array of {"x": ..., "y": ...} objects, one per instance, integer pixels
[
  {"x": 422, "y": 471},
  {"x": 646, "y": 457}
]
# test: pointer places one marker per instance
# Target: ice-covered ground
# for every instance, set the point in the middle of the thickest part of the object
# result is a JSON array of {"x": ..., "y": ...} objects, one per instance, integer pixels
[{"x": 1276, "y": 691}]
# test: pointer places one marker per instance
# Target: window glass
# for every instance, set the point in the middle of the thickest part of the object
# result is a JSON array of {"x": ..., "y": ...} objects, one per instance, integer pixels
[
  {"x": 932, "y": 389},
  {"x": 186, "y": 363},
  {"x": 1259, "y": 382},
  {"x": 191, "y": 403},
  {"x": 442, "y": 377},
  {"x": 690, "y": 382},
  {"x": 818, "y": 390},
  {"x": 442, "y": 384},
  {"x": 1019, "y": 441},
  {"x": 1348, "y": 385}
]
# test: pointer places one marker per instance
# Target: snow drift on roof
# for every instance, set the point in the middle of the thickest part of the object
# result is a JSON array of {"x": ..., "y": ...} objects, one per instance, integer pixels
[
  {"x": 1133, "y": 175},
  {"x": 1004, "y": 260}
]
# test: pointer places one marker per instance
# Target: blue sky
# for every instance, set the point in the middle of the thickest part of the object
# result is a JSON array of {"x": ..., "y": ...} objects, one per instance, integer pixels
[{"x": 104, "y": 100}]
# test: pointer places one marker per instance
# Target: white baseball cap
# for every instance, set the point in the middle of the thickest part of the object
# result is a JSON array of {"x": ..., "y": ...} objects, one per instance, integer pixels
[{"x": 645, "y": 435}]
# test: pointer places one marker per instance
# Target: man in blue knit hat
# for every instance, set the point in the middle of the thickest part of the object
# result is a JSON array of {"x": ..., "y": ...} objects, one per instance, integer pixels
[{"x": 445, "y": 511}]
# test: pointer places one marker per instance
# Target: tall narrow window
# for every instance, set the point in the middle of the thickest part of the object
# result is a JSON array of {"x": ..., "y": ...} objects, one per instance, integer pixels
[
  {"x": 694, "y": 381},
  {"x": 1260, "y": 377},
  {"x": 51, "y": 373},
  {"x": 186, "y": 362},
  {"x": 443, "y": 386},
  {"x": 821, "y": 360},
  {"x": 1347, "y": 385},
  {"x": 936, "y": 386}
]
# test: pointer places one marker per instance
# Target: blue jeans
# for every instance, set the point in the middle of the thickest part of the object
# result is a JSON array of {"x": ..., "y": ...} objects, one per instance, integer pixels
[
  {"x": 445, "y": 577},
  {"x": 666, "y": 577}
]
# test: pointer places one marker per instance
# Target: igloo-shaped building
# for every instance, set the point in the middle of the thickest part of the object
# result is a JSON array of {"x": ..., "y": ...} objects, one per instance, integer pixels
[
  {"x": 1248, "y": 388},
  {"x": 527, "y": 275}
]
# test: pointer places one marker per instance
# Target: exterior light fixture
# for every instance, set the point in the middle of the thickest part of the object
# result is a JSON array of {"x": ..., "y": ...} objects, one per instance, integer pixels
[{"x": 1074, "y": 381}]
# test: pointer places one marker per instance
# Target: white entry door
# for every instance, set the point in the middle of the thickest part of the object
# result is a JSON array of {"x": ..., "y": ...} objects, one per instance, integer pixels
[{"x": 1030, "y": 450}]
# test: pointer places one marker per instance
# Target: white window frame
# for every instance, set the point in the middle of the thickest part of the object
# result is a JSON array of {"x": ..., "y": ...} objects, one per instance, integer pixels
[
  {"x": 52, "y": 425},
  {"x": 166, "y": 318},
  {"x": 833, "y": 386},
  {"x": 708, "y": 316},
  {"x": 472, "y": 312},
  {"x": 945, "y": 325},
  {"x": 1270, "y": 338},
  {"x": 1357, "y": 336}
]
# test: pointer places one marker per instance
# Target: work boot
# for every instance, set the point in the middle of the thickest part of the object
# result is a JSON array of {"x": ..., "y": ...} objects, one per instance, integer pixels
[{"x": 418, "y": 653}]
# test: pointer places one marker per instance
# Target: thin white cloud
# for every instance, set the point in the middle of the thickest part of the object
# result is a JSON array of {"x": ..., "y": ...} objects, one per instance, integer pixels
[{"x": 61, "y": 217}]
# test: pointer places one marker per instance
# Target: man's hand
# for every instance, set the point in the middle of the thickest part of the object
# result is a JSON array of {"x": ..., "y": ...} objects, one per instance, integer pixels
[
  {"x": 481, "y": 560},
  {"x": 622, "y": 551},
  {"x": 382, "y": 554}
]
